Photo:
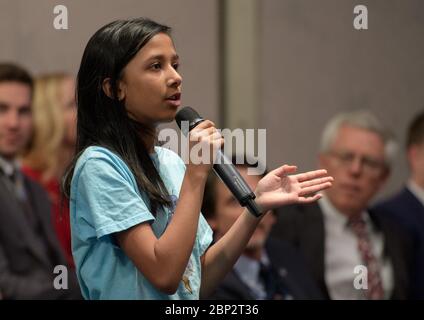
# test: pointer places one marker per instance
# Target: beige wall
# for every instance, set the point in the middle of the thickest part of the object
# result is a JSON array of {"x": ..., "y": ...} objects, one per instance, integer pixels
[
  {"x": 315, "y": 64},
  {"x": 28, "y": 37}
]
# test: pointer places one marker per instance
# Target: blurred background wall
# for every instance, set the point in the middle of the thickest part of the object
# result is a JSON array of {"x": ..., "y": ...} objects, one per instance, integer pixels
[
  {"x": 283, "y": 65},
  {"x": 314, "y": 64},
  {"x": 29, "y": 37}
]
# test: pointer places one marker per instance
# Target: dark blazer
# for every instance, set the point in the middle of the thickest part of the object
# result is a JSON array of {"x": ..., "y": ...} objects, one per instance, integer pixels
[
  {"x": 28, "y": 255},
  {"x": 303, "y": 227},
  {"x": 408, "y": 211},
  {"x": 291, "y": 268}
]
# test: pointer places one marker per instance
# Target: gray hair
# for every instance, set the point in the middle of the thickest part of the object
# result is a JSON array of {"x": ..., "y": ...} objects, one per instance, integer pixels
[{"x": 359, "y": 119}]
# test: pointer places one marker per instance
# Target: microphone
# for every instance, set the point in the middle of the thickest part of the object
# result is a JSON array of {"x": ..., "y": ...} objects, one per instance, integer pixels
[{"x": 224, "y": 169}]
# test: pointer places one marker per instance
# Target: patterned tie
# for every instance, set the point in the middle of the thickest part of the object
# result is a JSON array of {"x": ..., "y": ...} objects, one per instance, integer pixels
[{"x": 375, "y": 288}]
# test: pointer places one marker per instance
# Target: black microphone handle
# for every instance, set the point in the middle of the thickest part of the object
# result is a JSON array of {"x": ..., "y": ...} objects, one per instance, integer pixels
[
  {"x": 227, "y": 172},
  {"x": 223, "y": 167}
]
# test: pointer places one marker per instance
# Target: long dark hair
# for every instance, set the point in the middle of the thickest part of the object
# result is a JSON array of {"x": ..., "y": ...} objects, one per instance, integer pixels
[{"x": 103, "y": 121}]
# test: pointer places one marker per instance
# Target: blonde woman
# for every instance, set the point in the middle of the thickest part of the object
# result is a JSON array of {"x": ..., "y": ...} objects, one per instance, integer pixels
[{"x": 53, "y": 145}]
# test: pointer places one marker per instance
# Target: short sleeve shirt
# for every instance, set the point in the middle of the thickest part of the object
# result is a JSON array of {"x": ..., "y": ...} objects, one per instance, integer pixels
[{"x": 105, "y": 199}]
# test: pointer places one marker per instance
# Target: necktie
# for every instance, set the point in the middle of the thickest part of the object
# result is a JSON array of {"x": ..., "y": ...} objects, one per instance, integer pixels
[
  {"x": 375, "y": 288},
  {"x": 18, "y": 185},
  {"x": 274, "y": 286},
  {"x": 16, "y": 182}
]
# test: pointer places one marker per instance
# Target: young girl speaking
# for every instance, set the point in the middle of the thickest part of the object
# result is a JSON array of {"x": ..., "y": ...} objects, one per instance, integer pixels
[{"x": 137, "y": 230}]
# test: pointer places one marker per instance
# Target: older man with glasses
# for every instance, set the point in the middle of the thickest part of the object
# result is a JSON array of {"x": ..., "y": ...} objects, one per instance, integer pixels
[{"x": 353, "y": 252}]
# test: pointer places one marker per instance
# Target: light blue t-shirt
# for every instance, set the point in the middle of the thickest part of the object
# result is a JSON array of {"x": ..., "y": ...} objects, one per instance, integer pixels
[{"x": 104, "y": 200}]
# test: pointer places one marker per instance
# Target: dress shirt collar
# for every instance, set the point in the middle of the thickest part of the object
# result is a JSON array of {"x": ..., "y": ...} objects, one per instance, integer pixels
[
  {"x": 8, "y": 167},
  {"x": 333, "y": 215}
]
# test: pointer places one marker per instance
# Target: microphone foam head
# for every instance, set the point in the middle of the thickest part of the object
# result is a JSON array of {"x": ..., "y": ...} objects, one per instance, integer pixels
[{"x": 188, "y": 114}]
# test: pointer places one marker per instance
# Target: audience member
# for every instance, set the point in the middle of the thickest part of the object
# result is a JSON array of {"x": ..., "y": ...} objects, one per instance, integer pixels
[
  {"x": 407, "y": 206},
  {"x": 53, "y": 145},
  {"x": 29, "y": 249},
  {"x": 267, "y": 269},
  {"x": 354, "y": 252}
]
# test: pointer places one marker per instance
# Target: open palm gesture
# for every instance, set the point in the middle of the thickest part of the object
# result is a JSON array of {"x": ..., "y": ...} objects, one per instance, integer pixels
[{"x": 278, "y": 188}]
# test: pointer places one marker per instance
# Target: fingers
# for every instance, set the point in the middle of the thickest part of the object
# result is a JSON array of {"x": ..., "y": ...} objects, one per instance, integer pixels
[
  {"x": 303, "y": 200},
  {"x": 313, "y": 181},
  {"x": 204, "y": 129},
  {"x": 316, "y": 181},
  {"x": 204, "y": 125},
  {"x": 198, "y": 133},
  {"x": 284, "y": 170},
  {"x": 311, "y": 175},
  {"x": 313, "y": 189},
  {"x": 209, "y": 134},
  {"x": 217, "y": 140}
]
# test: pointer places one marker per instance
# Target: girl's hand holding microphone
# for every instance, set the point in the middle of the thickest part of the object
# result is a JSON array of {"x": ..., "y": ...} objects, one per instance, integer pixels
[{"x": 204, "y": 142}]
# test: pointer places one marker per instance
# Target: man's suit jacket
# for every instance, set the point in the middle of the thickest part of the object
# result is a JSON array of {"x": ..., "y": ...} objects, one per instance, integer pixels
[
  {"x": 291, "y": 268},
  {"x": 303, "y": 227},
  {"x": 28, "y": 256},
  {"x": 407, "y": 210}
]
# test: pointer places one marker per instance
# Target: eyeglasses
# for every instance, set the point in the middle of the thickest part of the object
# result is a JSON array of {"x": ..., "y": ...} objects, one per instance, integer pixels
[{"x": 369, "y": 165}]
